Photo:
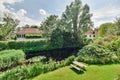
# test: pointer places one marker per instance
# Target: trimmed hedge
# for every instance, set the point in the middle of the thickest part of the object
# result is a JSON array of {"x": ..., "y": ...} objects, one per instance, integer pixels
[
  {"x": 11, "y": 57},
  {"x": 25, "y": 44},
  {"x": 33, "y": 36},
  {"x": 21, "y": 44},
  {"x": 3, "y": 45}
]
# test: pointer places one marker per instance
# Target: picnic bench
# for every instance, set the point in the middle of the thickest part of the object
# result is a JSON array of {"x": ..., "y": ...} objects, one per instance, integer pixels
[{"x": 78, "y": 65}]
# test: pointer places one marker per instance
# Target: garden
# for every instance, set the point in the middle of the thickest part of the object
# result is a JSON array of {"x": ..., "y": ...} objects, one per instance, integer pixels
[{"x": 66, "y": 42}]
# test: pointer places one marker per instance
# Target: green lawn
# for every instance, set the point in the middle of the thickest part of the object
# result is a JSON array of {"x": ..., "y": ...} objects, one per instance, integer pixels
[{"x": 94, "y": 72}]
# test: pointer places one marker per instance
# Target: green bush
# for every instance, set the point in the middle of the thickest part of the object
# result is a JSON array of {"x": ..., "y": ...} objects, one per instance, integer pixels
[
  {"x": 115, "y": 45},
  {"x": 69, "y": 60},
  {"x": 56, "y": 38},
  {"x": 26, "y": 72},
  {"x": 50, "y": 66},
  {"x": 22, "y": 72},
  {"x": 94, "y": 53},
  {"x": 68, "y": 40},
  {"x": 11, "y": 57},
  {"x": 33, "y": 36},
  {"x": 25, "y": 44},
  {"x": 3, "y": 45},
  {"x": 37, "y": 49}
]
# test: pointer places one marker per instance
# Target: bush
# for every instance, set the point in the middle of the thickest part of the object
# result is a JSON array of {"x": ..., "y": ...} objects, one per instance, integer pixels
[
  {"x": 37, "y": 59},
  {"x": 94, "y": 53},
  {"x": 22, "y": 72},
  {"x": 36, "y": 49},
  {"x": 56, "y": 38},
  {"x": 69, "y": 60},
  {"x": 68, "y": 40},
  {"x": 115, "y": 46},
  {"x": 25, "y": 44},
  {"x": 33, "y": 36},
  {"x": 3, "y": 45},
  {"x": 50, "y": 66},
  {"x": 26, "y": 72},
  {"x": 11, "y": 57}
]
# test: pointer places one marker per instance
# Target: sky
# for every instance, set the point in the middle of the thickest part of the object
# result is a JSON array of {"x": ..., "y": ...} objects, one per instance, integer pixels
[{"x": 33, "y": 12}]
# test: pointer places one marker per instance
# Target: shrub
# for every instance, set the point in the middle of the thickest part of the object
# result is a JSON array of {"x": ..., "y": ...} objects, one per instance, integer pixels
[
  {"x": 25, "y": 44},
  {"x": 68, "y": 40},
  {"x": 33, "y": 36},
  {"x": 50, "y": 66},
  {"x": 56, "y": 38},
  {"x": 22, "y": 72},
  {"x": 26, "y": 72},
  {"x": 115, "y": 46},
  {"x": 36, "y": 49},
  {"x": 94, "y": 53},
  {"x": 11, "y": 57},
  {"x": 3, "y": 45},
  {"x": 69, "y": 60},
  {"x": 37, "y": 59}
]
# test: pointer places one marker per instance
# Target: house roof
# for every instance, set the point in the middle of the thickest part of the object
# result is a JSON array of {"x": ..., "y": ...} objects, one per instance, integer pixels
[
  {"x": 29, "y": 31},
  {"x": 90, "y": 32}
]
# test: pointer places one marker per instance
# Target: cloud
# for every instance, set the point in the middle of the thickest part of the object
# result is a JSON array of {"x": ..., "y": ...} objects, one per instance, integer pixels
[
  {"x": 10, "y": 1},
  {"x": 106, "y": 14},
  {"x": 20, "y": 14},
  {"x": 42, "y": 12},
  {"x": 24, "y": 19}
]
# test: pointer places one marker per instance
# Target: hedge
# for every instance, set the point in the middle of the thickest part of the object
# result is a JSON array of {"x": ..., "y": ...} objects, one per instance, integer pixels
[
  {"x": 11, "y": 57},
  {"x": 3, "y": 45},
  {"x": 21, "y": 44},
  {"x": 25, "y": 44},
  {"x": 33, "y": 36}
]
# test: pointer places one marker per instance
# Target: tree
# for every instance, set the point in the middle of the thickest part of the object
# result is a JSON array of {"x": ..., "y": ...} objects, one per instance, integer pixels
[
  {"x": 104, "y": 28},
  {"x": 77, "y": 18},
  {"x": 8, "y": 27},
  {"x": 117, "y": 26},
  {"x": 57, "y": 38},
  {"x": 49, "y": 24}
]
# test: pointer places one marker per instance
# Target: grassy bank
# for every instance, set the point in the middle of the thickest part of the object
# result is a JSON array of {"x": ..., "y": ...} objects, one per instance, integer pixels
[{"x": 94, "y": 72}]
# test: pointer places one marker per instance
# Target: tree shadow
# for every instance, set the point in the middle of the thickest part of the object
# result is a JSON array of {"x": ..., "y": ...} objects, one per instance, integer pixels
[{"x": 76, "y": 71}]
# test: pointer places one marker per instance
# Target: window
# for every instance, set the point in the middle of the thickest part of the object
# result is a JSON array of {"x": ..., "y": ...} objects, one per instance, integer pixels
[
  {"x": 93, "y": 35},
  {"x": 89, "y": 35}
]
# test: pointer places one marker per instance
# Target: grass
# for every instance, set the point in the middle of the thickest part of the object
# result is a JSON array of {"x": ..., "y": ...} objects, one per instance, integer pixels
[{"x": 94, "y": 72}]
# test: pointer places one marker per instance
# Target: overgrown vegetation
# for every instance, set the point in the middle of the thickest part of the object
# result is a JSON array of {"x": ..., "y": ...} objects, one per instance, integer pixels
[
  {"x": 11, "y": 57},
  {"x": 97, "y": 54},
  {"x": 65, "y": 33},
  {"x": 27, "y": 72}
]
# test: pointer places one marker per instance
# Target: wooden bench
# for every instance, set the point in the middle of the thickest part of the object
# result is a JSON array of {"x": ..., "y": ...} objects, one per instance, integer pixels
[{"x": 79, "y": 66}]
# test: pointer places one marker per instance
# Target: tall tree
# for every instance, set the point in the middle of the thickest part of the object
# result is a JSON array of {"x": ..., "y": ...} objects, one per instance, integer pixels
[
  {"x": 117, "y": 25},
  {"x": 8, "y": 27},
  {"x": 105, "y": 29},
  {"x": 49, "y": 24},
  {"x": 77, "y": 18}
]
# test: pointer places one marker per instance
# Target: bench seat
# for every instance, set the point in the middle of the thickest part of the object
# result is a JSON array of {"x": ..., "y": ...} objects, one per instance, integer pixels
[
  {"x": 75, "y": 67},
  {"x": 79, "y": 66}
]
